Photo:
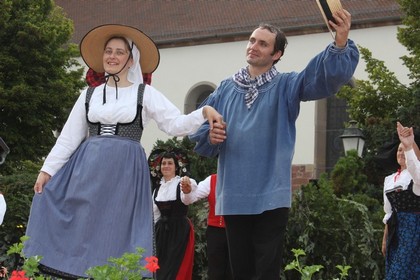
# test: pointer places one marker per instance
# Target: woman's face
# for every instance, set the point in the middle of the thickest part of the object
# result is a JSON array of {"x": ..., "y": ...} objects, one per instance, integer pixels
[
  {"x": 116, "y": 54},
  {"x": 401, "y": 156},
  {"x": 167, "y": 167}
]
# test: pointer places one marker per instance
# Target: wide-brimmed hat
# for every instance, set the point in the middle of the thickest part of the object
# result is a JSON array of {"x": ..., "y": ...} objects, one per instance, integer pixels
[
  {"x": 93, "y": 44},
  {"x": 328, "y": 8}
]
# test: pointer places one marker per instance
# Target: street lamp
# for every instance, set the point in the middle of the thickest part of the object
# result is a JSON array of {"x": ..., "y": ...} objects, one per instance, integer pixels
[{"x": 353, "y": 138}]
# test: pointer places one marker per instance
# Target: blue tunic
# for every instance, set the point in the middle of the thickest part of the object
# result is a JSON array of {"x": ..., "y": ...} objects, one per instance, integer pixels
[{"x": 254, "y": 162}]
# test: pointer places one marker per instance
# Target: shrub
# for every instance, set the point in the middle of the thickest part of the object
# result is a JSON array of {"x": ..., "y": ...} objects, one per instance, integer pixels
[{"x": 18, "y": 192}]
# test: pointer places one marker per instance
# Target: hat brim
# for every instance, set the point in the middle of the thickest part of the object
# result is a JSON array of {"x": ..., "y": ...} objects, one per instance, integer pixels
[
  {"x": 328, "y": 8},
  {"x": 93, "y": 44}
]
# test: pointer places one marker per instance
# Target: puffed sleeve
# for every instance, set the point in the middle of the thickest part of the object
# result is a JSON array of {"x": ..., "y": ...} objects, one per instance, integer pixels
[
  {"x": 198, "y": 192},
  {"x": 413, "y": 167},
  {"x": 167, "y": 116}
]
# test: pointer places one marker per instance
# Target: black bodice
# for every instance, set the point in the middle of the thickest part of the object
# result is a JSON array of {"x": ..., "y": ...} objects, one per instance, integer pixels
[
  {"x": 173, "y": 208},
  {"x": 132, "y": 130},
  {"x": 404, "y": 201}
]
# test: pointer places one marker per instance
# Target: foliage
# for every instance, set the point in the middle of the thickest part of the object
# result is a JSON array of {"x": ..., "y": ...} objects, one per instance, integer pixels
[
  {"x": 39, "y": 76},
  {"x": 398, "y": 102},
  {"x": 128, "y": 266},
  {"x": 333, "y": 230},
  {"x": 17, "y": 189},
  {"x": 347, "y": 176},
  {"x": 307, "y": 271},
  {"x": 378, "y": 122},
  {"x": 349, "y": 181},
  {"x": 409, "y": 36},
  {"x": 30, "y": 265}
]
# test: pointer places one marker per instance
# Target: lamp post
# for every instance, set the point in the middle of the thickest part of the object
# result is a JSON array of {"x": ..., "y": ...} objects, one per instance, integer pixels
[{"x": 353, "y": 138}]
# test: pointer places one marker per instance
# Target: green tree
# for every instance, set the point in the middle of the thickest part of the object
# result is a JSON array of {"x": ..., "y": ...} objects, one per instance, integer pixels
[
  {"x": 397, "y": 101},
  {"x": 18, "y": 192},
  {"x": 332, "y": 231},
  {"x": 39, "y": 76},
  {"x": 409, "y": 36}
]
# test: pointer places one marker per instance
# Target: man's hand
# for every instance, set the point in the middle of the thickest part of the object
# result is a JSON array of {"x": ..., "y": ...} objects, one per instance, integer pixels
[
  {"x": 217, "y": 134},
  {"x": 342, "y": 27}
]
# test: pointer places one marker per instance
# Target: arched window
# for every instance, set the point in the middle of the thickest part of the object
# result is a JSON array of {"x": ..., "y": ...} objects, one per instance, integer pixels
[{"x": 197, "y": 95}]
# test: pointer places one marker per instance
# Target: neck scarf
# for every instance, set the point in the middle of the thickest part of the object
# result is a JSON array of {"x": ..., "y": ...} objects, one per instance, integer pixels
[{"x": 243, "y": 79}]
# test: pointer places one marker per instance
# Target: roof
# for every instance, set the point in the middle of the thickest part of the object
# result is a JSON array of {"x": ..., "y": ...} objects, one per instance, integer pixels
[{"x": 190, "y": 22}]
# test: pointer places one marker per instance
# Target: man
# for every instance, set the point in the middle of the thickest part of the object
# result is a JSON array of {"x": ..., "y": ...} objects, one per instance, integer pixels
[{"x": 255, "y": 147}]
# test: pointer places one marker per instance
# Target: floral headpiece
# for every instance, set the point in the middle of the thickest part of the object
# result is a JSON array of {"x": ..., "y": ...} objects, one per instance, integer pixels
[{"x": 156, "y": 157}]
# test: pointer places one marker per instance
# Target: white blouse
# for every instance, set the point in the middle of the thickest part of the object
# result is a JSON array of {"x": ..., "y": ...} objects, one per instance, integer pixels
[
  {"x": 202, "y": 190},
  {"x": 167, "y": 192},
  {"x": 402, "y": 181},
  {"x": 122, "y": 110},
  {"x": 2, "y": 208}
]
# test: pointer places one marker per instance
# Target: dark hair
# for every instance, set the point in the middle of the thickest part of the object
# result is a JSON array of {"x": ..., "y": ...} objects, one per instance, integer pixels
[
  {"x": 280, "y": 42},
  {"x": 126, "y": 42},
  {"x": 169, "y": 155}
]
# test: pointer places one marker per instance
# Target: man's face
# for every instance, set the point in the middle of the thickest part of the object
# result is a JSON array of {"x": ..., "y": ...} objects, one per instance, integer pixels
[{"x": 260, "y": 48}]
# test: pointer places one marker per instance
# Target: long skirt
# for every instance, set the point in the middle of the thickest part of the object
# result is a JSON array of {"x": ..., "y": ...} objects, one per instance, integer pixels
[
  {"x": 97, "y": 206},
  {"x": 175, "y": 248},
  {"x": 403, "y": 254}
]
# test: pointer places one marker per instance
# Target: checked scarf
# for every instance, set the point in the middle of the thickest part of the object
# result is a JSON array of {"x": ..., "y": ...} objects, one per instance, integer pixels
[{"x": 243, "y": 79}]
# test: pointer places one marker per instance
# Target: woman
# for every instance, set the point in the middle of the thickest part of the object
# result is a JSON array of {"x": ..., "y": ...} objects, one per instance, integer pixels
[
  {"x": 93, "y": 196},
  {"x": 173, "y": 230},
  {"x": 401, "y": 240}
]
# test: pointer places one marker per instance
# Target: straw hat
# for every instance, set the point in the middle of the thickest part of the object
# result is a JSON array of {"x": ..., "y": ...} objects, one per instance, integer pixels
[
  {"x": 328, "y": 8},
  {"x": 93, "y": 44}
]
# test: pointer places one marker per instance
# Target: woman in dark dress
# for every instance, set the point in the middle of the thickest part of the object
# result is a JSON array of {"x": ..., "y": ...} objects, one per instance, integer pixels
[
  {"x": 174, "y": 232},
  {"x": 401, "y": 241}
]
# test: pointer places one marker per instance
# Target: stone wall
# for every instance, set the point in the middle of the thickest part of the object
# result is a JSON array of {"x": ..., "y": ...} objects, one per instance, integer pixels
[{"x": 301, "y": 174}]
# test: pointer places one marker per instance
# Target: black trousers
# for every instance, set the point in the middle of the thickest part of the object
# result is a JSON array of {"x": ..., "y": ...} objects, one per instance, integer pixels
[
  {"x": 256, "y": 244},
  {"x": 218, "y": 254}
]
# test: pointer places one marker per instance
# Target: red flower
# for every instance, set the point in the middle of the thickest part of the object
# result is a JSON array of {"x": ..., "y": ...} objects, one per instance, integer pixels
[
  {"x": 152, "y": 264},
  {"x": 18, "y": 275}
]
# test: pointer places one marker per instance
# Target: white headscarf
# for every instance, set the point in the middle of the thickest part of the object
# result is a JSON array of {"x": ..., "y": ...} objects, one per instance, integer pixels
[{"x": 134, "y": 73}]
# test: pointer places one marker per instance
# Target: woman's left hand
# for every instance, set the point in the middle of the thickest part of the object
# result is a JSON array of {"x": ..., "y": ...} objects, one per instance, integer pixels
[
  {"x": 212, "y": 116},
  {"x": 185, "y": 185}
]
